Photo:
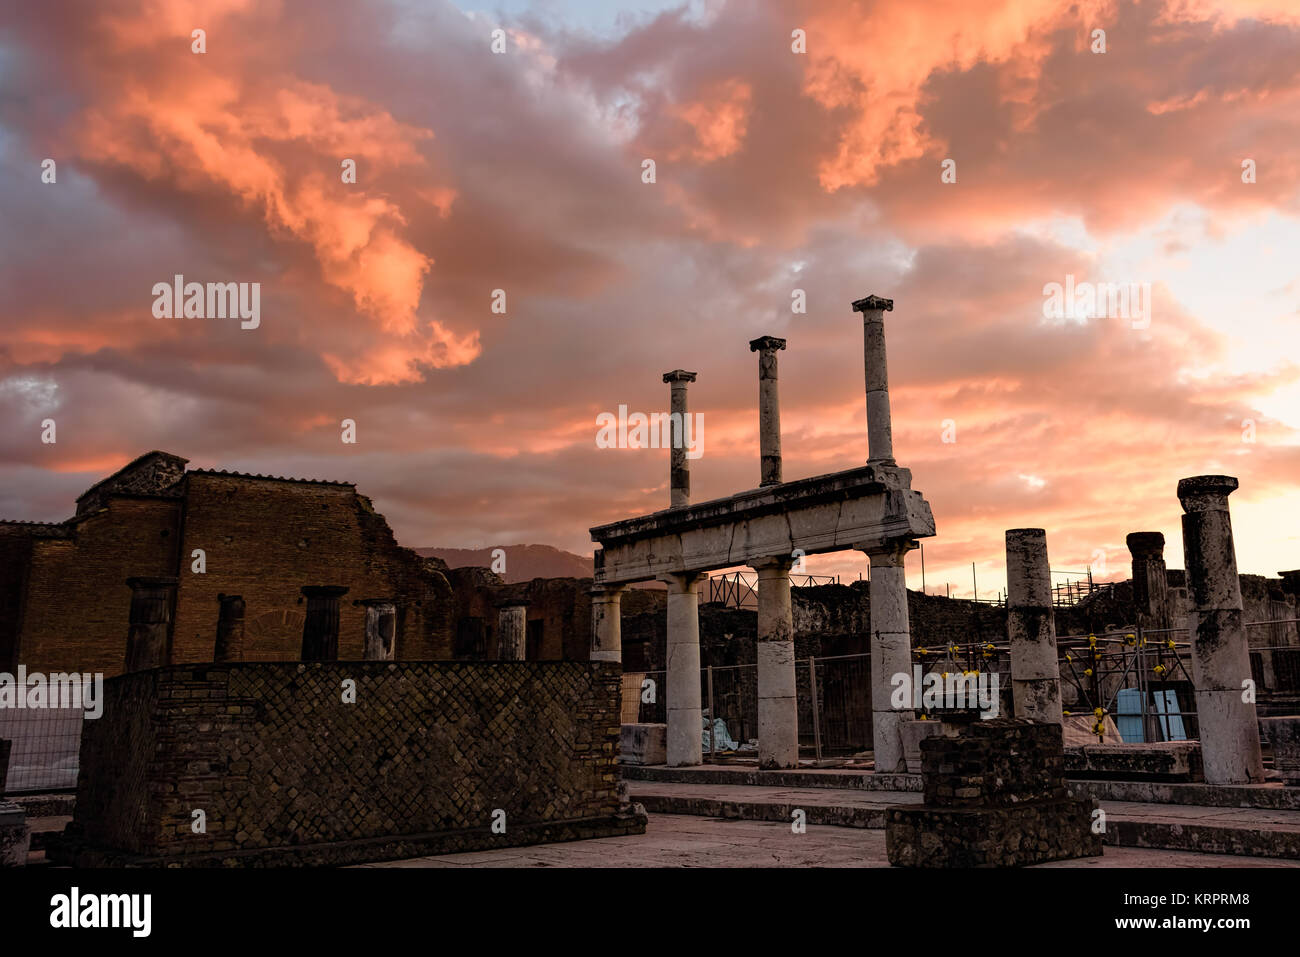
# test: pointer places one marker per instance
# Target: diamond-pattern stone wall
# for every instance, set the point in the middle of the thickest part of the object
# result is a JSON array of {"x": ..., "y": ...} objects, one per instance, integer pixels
[{"x": 279, "y": 756}]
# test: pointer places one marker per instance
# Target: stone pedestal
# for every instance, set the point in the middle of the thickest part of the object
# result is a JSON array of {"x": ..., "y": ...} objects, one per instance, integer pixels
[
  {"x": 778, "y": 709},
  {"x": 320, "y": 630},
  {"x": 149, "y": 637},
  {"x": 381, "y": 629},
  {"x": 995, "y": 796},
  {"x": 1284, "y": 735},
  {"x": 1229, "y": 728},
  {"x": 643, "y": 744},
  {"x": 230, "y": 629}
]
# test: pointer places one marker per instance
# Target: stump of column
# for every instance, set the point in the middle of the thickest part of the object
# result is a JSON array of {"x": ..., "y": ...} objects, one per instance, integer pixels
[
  {"x": 606, "y": 623},
  {"x": 1229, "y": 728},
  {"x": 778, "y": 711},
  {"x": 512, "y": 629},
  {"x": 1150, "y": 582},
  {"x": 891, "y": 651},
  {"x": 320, "y": 630},
  {"x": 880, "y": 434},
  {"x": 685, "y": 715},
  {"x": 1031, "y": 627},
  {"x": 149, "y": 636},
  {"x": 230, "y": 629},
  {"x": 381, "y": 629}
]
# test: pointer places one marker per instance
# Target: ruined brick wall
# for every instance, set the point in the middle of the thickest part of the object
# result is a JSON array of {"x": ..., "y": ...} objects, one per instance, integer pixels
[
  {"x": 265, "y": 538},
  {"x": 274, "y": 758},
  {"x": 77, "y": 603}
]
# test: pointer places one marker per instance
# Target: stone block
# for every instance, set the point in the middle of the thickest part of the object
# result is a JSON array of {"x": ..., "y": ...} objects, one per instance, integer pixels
[
  {"x": 643, "y": 744},
  {"x": 1284, "y": 734},
  {"x": 14, "y": 836},
  {"x": 1157, "y": 761},
  {"x": 913, "y": 733}
]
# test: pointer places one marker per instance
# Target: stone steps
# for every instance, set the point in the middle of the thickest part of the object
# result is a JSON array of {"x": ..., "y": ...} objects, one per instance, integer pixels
[{"x": 1212, "y": 830}]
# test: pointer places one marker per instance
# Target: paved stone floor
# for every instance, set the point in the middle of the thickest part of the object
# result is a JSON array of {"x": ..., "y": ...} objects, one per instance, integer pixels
[{"x": 678, "y": 840}]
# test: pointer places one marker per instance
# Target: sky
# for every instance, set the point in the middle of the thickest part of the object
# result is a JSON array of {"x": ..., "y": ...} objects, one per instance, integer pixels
[{"x": 956, "y": 156}]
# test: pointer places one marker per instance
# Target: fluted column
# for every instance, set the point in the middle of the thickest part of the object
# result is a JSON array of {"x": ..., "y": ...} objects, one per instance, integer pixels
[
  {"x": 607, "y": 623},
  {"x": 769, "y": 409},
  {"x": 381, "y": 629},
  {"x": 512, "y": 630}
]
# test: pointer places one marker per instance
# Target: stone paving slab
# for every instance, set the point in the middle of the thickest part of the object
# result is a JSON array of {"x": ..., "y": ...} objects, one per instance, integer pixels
[{"x": 734, "y": 843}]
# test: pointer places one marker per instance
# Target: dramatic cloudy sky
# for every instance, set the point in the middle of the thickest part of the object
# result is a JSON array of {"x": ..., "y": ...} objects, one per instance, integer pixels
[{"x": 776, "y": 171}]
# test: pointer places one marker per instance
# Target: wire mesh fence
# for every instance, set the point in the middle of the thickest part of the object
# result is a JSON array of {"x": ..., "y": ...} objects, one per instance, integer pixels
[{"x": 46, "y": 746}]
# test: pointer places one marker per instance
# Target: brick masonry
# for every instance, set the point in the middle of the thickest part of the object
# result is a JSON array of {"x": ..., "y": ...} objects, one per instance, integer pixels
[
  {"x": 288, "y": 774},
  {"x": 995, "y": 796}
]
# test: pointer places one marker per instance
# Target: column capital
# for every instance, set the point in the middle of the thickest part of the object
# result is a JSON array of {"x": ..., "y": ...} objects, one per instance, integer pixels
[
  {"x": 679, "y": 375},
  {"x": 780, "y": 563},
  {"x": 681, "y": 582},
  {"x": 873, "y": 303},
  {"x": 324, "y": 591},
  {"x": 1206, "y": 493},
  {"x": 766, "y": 344},
  {"x": 606, "y": 592},
  {"x": 1145, "y": 544},
  {"x": 892, "y": 552}
]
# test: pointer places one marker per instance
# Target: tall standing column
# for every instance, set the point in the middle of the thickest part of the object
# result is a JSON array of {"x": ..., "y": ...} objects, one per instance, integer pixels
[
  {"x": 230, "y": 629},
  {"x": 149, "y": 636},
  {"x": 891, "y": 650},
  {"x": 1031, "y": 627},
  {"x": 1220, "y": 654},
  {"x": 512, "y": 629},
  {"x": 679, "y": 474},
  {"x": 381, "y": 629},
  {"x": 320, "y": 630},
  {"x": 778, "y": 711},
  {"x": 1150, "y": 583},
  {"x": 685, "y": 716},
  {"x": 769, "y": 409},
  {"x": 607, "y": 623},
  {"x": 880, "y": 435}
]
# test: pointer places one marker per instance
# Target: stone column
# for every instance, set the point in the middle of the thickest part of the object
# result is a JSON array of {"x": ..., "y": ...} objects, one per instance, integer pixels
[
  {"x": 512, "y": 629},
  {"x": 381, "y": 629},
  {"x": 1220, "y": 656},
  {"x": 769, "y": 409},
  {"x": 880, "y": 436},
  {"x": 1150, "y": 583},
  {"x": 679, "y": 468},
  {"x": 607, "y": 623},
  {"x": 149, "y": 637},
  {"x": 891, "y": 650},
  {"x": 230, "y": 629},
  {"x": 778, "y": 712},
  {"x": 320, "y": 630},
  {"x": 1031, "y": 627},
  {"x": 685, "y": 716}
]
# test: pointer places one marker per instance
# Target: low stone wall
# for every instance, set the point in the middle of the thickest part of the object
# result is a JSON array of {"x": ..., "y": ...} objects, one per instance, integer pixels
[{"x": 286, "y": 768}]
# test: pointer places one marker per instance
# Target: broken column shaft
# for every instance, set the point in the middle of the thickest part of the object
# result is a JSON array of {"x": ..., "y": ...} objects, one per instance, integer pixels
[
  {"x": 606, "y": 623},
  {"x": 149, "y": 638},
  {"x": 381, "y": 629},
  {"x": 778, "y": 710},
  {"x": 769, "y": 409},
  {"x": 1031, "y": 627},
  {"x": 230, "y": 629},
  {"x": 880, "y": 438},
  {"x": 679, "y": 474},
  {"x": 320, "y": 629},
  {"x": 685, "y": 716},
  {"x": 1150, "y": 583},
  {"x": 512, "y": 629},
  {"x": 1229, "y": 729}
]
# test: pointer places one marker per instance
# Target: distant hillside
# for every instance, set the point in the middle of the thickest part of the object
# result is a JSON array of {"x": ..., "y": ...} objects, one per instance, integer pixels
[{"x": 523, "y": 562}]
